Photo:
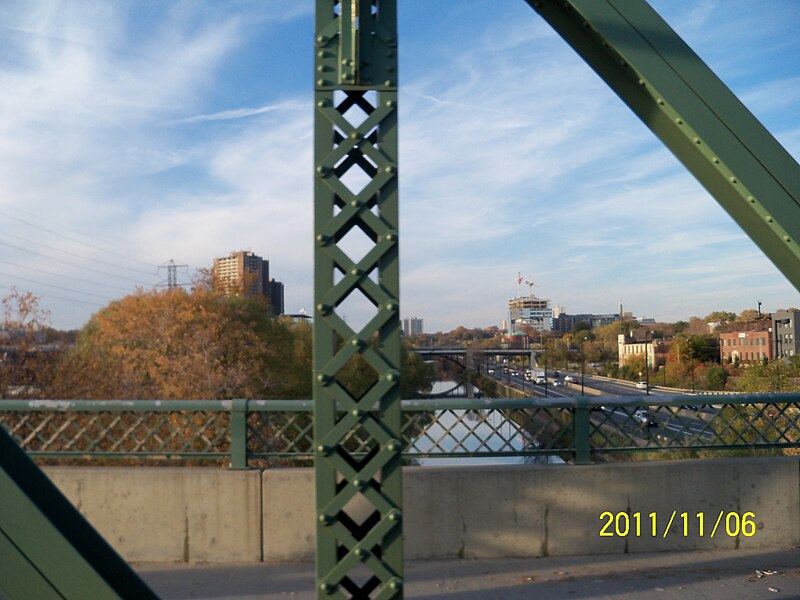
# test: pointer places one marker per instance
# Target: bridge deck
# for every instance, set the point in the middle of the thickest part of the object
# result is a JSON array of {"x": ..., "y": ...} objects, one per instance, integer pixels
[{"x": 710, "y": 575}]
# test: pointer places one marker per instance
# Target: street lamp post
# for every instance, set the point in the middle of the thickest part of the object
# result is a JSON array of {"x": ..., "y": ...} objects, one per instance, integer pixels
[
  {"x": 545, "y": 367},
  {"x": 582, "y": 363},
  {"x": 647, "y": 365}
]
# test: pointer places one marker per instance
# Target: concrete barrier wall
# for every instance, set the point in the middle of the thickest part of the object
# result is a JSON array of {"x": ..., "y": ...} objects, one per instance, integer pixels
[{"x": 213, "y": 515}]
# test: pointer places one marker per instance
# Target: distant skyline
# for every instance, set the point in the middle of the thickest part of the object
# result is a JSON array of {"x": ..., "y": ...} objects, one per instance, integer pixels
[{"x": 134, "y": 132}]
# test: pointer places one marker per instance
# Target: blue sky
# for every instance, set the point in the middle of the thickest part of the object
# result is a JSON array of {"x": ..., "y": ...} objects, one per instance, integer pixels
[{"x": 136, "y": 132}]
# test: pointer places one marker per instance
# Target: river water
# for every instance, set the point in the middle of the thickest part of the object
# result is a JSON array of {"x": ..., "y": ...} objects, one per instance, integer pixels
[{"x": 485, "y": 430}]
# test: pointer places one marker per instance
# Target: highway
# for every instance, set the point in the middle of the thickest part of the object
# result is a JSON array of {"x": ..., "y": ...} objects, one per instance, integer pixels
[{"x": 668, "y": 423}]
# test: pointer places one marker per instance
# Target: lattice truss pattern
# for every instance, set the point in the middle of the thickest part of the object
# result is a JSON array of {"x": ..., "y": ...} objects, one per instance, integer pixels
[
  {"x": 704, "y": 426},
  {"x": 184, "y": 434},
  {"x": 357, "y": 328}
]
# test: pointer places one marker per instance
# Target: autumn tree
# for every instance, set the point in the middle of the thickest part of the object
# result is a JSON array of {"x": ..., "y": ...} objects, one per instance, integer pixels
[
  {"x": 175, "y": 344},
  {"x": 26, "y": 361}
]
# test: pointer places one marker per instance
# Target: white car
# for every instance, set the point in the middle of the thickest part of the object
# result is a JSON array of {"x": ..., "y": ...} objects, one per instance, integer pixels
[
  {"x": 569, "y": 378},
  {"x": 645, "y": 418},
  {"x": 539, "y": 380},
  {"x": 641, "y": 385},
  {"x": 557, "y": 382}
]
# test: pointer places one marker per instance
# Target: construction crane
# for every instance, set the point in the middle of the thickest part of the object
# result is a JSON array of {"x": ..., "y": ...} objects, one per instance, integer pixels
[{"x": 530, "y": 285}]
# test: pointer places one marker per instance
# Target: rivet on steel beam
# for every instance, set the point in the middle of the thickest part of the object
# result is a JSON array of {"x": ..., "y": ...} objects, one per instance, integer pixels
[
  {"x": 322, "y": 171},
  {"x": 355, "y": 272},
  {"x": 642, "y": 82},
  {"x": 751, "y": 200},
  {"x": 322, "y": 103},
  {"x": 391, "y": 236},
  {"x": 358, "y": 483},
  {"x": 357, "y": 412},
  {"x": 389, "y": 169},
  {"x": 388, "y": 83},
  {"x": 357, "y": 342},
  {"x": 354, "y": 135},
  {"x": 733, "y": 180},
  {"x": 362, "y": 552},
  {"x": 390, "y": 103},
  {"x": 321, "y": 68},
  {"x": 392, "y": 376},
  {"x": 321, "y": 54},
  {"x": 396, "y": 583},
  {"x": 327, "y": 587},
  {"x": 325, "y": 519},
  {"x": 324, "y": 449},
  {"x": 393, "y": 446},
  {"x": 787, "y": 239},
  {"x": 324, "y": 308},
  {"x": 322, "y": 39},
  {"x": 323, "y": 239},
  {"x": 344, "y": 61},
  {"x": 660, "y": 102},
  {"x": 715, "y": 160},
  {"x": 392, "y": 306},
  {"x": 394, "y": 515},
  {"x": 324, "y": 379},
  {"x": 697, "y": 140},
  {"x": 768, "y": 219},
  {"x": 355, "y": 203},
  {"x": 679, "y": 121},
  {"x": 320, "y": 82}
]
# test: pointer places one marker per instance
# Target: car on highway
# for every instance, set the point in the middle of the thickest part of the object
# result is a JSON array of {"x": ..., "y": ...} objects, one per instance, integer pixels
[
  {"x": 539, "y": 380},
  {"x": 557, "y": 382},
  {"x": 641, "y": 385},
  {"x": 644, "y": 418},
  {"x": 569, "y": 378}
]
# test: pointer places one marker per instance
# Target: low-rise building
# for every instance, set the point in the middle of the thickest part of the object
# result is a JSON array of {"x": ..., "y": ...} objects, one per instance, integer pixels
[
  {"x": 747, "y": 342},
  {"x": 655, "y": 350}
]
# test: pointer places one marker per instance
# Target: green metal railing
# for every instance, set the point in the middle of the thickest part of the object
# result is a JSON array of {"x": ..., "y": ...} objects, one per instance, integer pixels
[{"x": 244, "y": 433}]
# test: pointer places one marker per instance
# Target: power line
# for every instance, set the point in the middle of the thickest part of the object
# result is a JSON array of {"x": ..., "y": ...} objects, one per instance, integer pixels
[
  {"x": 137, "y": 282},
  {"x": 49, "y": 296},
  {"x": 58, "y": 287},
  {"x": 95, "y": 234},
  {"x": 74, "y": 239},
  {"x": 113, "y": 287},
  {"x": 61, "y": 250}
]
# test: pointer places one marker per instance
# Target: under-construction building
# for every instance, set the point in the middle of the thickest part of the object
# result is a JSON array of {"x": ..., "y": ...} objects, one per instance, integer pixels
[
  {"x": 247, "y": 274},
  {"x": 531, "y": 311}
]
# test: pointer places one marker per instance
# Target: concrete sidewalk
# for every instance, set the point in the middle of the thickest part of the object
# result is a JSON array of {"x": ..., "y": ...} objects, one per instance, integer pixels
[{"x": 723, "y": 574}]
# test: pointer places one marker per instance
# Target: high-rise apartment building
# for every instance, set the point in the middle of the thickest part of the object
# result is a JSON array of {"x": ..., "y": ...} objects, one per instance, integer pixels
[
  {"x": 247, "y": 273},
  {"x": 412, "y": 326}
]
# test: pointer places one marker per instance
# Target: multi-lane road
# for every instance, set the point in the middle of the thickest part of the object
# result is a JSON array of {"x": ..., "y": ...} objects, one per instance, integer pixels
[{"x": 685, "y": 422}]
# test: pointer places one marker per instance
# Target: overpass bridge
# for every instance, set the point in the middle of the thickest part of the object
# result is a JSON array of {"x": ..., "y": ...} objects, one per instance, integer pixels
[{"x": 358, "y": 516}]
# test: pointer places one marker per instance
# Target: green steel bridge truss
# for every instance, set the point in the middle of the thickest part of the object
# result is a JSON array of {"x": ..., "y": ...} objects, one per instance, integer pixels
[{"x": 355, "y": 196}]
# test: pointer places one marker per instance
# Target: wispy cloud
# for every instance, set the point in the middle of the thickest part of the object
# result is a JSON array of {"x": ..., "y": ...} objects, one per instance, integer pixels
[{"x": 241, "y": 113}]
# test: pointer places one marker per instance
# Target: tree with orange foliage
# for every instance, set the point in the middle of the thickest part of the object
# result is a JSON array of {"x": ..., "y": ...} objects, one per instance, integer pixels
[{"x": 173, "y": 344}]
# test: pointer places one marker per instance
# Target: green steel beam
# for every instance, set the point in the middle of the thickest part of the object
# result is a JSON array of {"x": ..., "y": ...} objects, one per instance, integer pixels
[
  {"x": 693, "y": 113},
  {"x": 47, "y": 548},
  {"x": 355, "y": 131}
]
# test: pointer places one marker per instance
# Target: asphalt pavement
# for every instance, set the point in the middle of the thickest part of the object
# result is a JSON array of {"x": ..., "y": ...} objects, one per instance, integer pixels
[{"x": 708, "y": 575}]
